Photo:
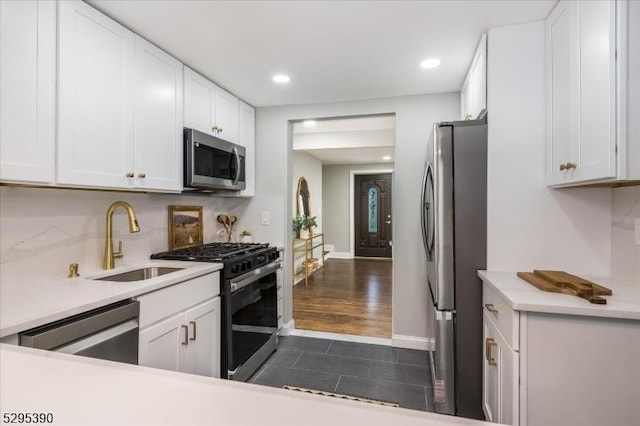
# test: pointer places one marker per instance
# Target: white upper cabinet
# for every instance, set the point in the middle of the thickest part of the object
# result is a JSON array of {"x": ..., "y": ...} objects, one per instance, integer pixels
[
  {"x": 586, "y": 93},
  {"x": 27, "y": 91},
  {"x": 157, "y": 119},
  {"x": 473, "y": 93},
  {"x": 208, "y": 108},
  {"x": 120, "y": 106},
  {"x": 247, "y": 138},
  {"x": 95, "y": 116}
]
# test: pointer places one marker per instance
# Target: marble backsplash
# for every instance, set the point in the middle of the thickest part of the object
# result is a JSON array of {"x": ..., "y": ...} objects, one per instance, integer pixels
[
  {"x": 42, "y": 231},
  {"x": 625, "y": 254}
]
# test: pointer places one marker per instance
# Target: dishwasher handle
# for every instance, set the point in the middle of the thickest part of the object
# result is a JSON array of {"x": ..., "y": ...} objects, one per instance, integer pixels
[{"x": 78, "y": 326}]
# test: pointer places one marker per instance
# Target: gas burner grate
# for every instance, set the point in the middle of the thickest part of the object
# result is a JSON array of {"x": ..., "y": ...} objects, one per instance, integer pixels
[{"x": 211, "y": 251}]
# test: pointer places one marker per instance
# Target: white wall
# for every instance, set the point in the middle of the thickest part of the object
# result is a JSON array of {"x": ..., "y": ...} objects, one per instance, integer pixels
[
  {"x": 311, "y": 168},
  {"x": 625, "y": 254},
  {"x": 335, "y": 193},
  {"x": 414, "y": 117},
  {"x": 529, "y": 225},
  {"x": 44, "y": 230}
]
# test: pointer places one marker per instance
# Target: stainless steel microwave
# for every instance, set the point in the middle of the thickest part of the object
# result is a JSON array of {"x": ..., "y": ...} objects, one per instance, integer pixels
[{"x": 211, "y": 163}]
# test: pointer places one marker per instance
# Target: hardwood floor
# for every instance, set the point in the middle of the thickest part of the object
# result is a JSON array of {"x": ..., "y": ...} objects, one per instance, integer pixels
[{"x": 346, "y": 296}]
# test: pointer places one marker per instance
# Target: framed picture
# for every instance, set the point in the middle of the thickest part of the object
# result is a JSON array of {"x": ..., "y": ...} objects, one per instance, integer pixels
[{"x": 185, "y": 226}]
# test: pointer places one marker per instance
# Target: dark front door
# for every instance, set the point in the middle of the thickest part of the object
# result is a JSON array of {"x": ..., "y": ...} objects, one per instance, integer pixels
[{"x": 373, "y": 215}]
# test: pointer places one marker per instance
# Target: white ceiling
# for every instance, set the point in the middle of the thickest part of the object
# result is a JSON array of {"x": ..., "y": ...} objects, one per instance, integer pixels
[
  {"x": 352, "y": 140},
  {"x": 333, "y": 50}
]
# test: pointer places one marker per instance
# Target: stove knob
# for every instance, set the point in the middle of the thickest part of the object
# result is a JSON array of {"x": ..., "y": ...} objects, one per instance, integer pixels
[{"x": 249, "y": 264}]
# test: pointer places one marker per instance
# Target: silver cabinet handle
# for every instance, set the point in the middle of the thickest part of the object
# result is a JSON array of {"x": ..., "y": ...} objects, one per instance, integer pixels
[
  {"x": 491, "y": 308},
  {"x": 214, "y": 129},
  {"x": 488, "y": 343},
  {"x": 142, "y": 175},
  {"x": 193, "y": 323},
  {"x": 186, "y": 335},
  {"x": 130, "y": 174}
]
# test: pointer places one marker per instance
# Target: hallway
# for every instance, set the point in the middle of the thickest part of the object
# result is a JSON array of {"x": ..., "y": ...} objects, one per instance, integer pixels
[{"x": 346, "y": 296}]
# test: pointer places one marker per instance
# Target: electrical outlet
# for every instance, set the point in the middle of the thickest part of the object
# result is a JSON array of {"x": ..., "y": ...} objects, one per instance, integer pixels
[
  {"x": 638, "y": 231},
  {"x": 264, "y": 218}
]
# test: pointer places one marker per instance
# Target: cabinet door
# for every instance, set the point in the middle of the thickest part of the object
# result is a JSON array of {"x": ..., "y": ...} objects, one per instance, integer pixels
[
  {"x": 203, "y": 352},
  {"x": 247, "y": 138},
  {"x": 490, "y": 374},
  {"x": 227, "y": 110},
  {"x": 465, "y": 100},
  {"x": 163, "y": 345},
  {"x": 27, "y": 90},
  {"x": 95, "y": 122},
  {"x": 158, "y": 119},
  {"x": 595, "y": 155},
  {"x": 560, "y": 130},
  {"x": 479, "y": 79},
  {"x": 199, "y": 102},
  {"x": 500, "y": 373}
]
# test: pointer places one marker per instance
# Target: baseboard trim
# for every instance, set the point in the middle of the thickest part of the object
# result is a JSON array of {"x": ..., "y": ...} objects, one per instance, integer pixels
[
  {"x": 410, "y": 342},
  {"x": 339, "y": 255},
  {"x": 342, "y": 337},
  {"x": 287, "y": 328}
]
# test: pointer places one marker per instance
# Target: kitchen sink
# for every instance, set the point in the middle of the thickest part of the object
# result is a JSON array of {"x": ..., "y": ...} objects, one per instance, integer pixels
[{"x": 140, "y": 274}]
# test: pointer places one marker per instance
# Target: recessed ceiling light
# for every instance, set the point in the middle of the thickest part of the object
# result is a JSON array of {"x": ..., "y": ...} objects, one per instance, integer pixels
[
  {"x": 309, "y": 123},
  {"x": 386, "y": 158},
  {"x": 430, "y": 63},
  {"x": 281, "y": 78}
]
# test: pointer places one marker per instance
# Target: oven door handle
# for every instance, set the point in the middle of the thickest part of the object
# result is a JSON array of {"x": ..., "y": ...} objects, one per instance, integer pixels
[{"x": 252, "y": 276}]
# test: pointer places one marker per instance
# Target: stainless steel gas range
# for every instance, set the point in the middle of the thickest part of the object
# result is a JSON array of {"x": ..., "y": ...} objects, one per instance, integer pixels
[{"x": 248, "y": 289}]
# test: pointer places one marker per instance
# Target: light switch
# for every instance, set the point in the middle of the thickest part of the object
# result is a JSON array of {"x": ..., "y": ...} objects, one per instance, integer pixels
[
  {"x": 638, "y": 231},
  {"x": 264, "y": 218}
]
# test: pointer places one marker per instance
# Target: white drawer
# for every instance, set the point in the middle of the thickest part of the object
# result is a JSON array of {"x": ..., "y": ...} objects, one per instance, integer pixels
[
  {"x": 505, "y": 318},
  {"x": 162, "y": 303},
  {"x": 280, "y": 312}
]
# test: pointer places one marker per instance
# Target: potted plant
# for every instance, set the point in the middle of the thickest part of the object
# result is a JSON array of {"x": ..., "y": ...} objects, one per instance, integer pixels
[
  {"x": 303, "y": 224},
  {"x": 245, "y": 236}
]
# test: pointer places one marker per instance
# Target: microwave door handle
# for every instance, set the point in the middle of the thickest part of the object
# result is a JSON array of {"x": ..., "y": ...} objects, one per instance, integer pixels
[{"x": 238, "y": 165}]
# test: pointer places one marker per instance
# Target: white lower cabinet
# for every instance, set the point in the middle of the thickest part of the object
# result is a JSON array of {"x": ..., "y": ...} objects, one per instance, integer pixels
[
  {"x": 185, "y": 342},
  {"x": 280, "y": 291},
  {"x": 180, "y": 335},
  {"x": 500, "y": 376},
  {"x": 548, "y": 369}
]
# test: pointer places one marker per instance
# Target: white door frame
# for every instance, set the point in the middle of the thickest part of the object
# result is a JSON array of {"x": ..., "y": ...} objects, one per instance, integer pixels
[{"x": 352, "y": 220}]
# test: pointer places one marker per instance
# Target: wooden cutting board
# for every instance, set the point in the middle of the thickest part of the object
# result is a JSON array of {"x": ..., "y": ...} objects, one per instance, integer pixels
[{"x": 562, "y": 282}]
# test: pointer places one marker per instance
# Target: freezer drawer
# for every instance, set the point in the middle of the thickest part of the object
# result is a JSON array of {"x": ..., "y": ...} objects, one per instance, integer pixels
[{"x": 443, "y": 363}]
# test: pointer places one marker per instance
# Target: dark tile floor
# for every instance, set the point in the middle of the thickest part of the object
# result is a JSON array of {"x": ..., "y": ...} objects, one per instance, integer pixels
[{"x": 368, "y": 371}]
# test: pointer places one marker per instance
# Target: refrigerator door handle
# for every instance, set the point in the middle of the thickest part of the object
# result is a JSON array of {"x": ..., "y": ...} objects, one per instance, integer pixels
[{"x": 426, "y": 211}]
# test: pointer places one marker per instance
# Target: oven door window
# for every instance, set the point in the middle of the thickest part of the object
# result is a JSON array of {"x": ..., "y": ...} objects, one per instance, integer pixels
[
  {"x": 217, "y": 163},
  {"x": 254, "y": 318}
]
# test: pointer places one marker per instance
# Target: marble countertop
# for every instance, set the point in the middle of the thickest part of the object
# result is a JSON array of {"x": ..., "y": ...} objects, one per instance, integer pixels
[
  {"x": 24, "y": 305},
  {"x": 86, "y": 391},
  {"x": 624, "y": 303}
]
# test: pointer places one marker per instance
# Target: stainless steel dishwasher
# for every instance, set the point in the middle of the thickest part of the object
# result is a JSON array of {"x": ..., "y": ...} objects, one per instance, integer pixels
[{"x": 109, "y": 332}]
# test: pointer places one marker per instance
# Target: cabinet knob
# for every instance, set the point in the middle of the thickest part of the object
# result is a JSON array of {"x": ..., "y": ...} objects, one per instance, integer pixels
[
  {"x": 220, "y": 130},
  {"x": 214, "y": 129},
  {"x": 568, "y": 166},
  {"x": 130, "y": 175},
  {"x": 142, "y": 175}
]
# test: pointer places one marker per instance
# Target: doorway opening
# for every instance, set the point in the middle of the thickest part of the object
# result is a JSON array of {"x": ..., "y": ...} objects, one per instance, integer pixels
[{"x": 343, "y": 275}]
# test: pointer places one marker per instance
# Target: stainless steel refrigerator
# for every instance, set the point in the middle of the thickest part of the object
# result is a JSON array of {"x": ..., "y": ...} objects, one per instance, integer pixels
[{"x": 454, "y": 230}]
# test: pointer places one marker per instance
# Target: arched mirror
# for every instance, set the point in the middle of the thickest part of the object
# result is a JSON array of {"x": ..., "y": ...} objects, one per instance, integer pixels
[{"x": 304, "y": 198}]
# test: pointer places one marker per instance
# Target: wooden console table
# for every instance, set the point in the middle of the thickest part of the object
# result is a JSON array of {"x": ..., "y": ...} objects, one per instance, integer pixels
[{"x": 304, "y": 248}]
